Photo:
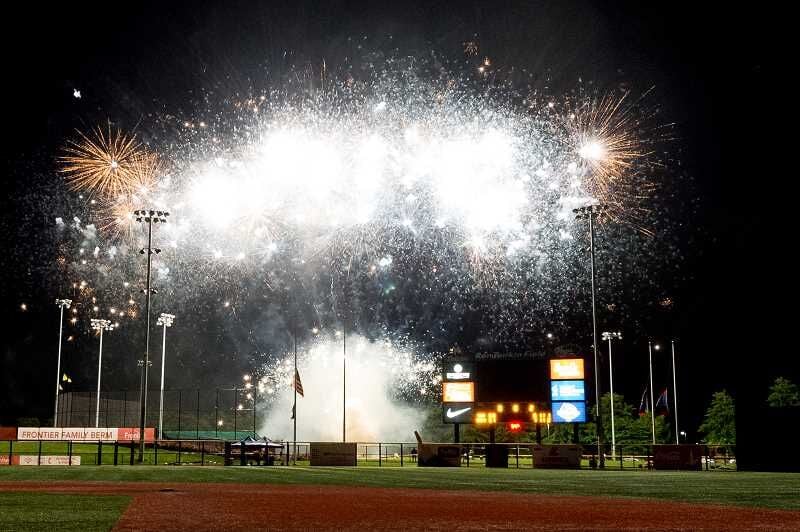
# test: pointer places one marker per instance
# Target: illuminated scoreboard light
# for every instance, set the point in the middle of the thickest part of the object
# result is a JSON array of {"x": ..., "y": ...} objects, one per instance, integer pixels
[
  {"x": 485, "y": 418},
  {"x": 488, "y": 414}
]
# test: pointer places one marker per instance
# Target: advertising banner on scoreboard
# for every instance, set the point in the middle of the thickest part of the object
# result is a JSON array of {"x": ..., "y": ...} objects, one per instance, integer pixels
[
  {"x": 83, "y": 433},
  {"x": 458, "y": 370},
  {"x": 457, "y": 413},
  {"x": 566, "y": 369},
  {"x": 568, "y": 390},
  {"x": 569, "y": 412},
  {"x": 458, "y": 392}
]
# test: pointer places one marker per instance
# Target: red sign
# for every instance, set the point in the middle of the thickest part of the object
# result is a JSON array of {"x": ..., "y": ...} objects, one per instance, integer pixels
[{"x": 83, "y": 434}]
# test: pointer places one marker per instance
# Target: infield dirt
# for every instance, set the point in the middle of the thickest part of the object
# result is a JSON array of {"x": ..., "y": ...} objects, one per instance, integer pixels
[{"x": 198, "y": 506}]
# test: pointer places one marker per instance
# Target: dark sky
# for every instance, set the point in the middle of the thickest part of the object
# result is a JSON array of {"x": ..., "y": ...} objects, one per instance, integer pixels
[{"x": 718, "y": 74}]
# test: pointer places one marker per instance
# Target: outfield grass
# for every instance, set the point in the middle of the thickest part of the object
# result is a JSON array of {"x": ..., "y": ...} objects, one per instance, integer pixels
[
  {"x": 769, "y": 490},
  {"x": 42, "y": 511}
]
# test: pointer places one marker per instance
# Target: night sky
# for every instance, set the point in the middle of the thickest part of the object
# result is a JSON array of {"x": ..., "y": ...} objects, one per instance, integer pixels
[{"x": 722, "y": 208}]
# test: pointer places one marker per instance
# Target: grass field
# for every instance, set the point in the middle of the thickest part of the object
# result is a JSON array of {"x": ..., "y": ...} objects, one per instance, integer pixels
[
  {"x": 40, "y": 511},
  {"x": 767, "y": 490}
]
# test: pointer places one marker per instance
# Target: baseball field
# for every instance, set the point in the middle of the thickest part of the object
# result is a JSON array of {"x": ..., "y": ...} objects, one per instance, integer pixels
[{"x": 304, "y": 498}]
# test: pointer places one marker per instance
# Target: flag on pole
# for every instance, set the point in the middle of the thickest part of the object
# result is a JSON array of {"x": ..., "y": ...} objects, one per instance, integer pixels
[
  {"x": 663, "y": 401},
  {"x": 644, "y": 407},
  {"x": 297, "y": 384}
]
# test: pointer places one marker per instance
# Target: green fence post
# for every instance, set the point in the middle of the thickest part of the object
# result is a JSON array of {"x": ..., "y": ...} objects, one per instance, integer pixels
[
  {"x": 99, "y": 452},
  {"x": 39, "y": 456},
  {"x": 116, "y": 451}
]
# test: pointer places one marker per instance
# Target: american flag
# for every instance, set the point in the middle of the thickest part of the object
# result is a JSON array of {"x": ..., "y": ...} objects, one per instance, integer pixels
[{"x": 297, "y": 384}]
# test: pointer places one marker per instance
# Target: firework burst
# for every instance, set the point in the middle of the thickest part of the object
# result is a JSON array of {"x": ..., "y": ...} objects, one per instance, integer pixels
[
  {"x": 606, "y": 137},
  {"x": 106, "y": 163}
]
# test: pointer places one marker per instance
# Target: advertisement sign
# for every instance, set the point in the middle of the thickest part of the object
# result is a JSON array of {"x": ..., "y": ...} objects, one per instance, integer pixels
[
  {"x": 458, "y": 392},
  {"x": 679, "y": 456},
  {"x": 569, "y": 412},
  {"x": 32, "y": 460},
  {"x": 567, "y": 390},
  {"x": 439, "y": 455},
  {"x": 457, "y": 413},
  {"x": 556, "y": 456},
  {"x": 460, "y": 370},
  {"x": 566, "y": 368},
  {"x": 83, "y": 434},
  {"x": 333, "y": 454}
]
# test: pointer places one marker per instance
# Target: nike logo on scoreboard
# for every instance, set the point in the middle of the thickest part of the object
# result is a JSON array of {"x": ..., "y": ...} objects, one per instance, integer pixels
[{"x": 455, "y": 413}]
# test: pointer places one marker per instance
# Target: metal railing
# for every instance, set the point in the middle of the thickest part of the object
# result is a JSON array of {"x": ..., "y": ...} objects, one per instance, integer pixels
[{"x": 368, "y": 454}]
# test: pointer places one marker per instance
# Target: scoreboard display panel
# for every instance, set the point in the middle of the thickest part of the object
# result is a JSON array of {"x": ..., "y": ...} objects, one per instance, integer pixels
[{"x": 509, "y": 377}]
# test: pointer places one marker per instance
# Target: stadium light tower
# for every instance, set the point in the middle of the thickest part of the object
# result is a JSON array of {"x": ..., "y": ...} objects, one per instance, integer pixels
[
  {"x": 612, "y": 336},
  {"x": 148, "y": 217},
  {"x": 63, "y": 303},
  {"x": 590, "y": 213},
  {"x": 166, "y": 321},
  {"x": 100, "y": 325}
]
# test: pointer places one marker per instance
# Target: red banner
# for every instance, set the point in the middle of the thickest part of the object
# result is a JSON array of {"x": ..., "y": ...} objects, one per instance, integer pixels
[{"x": 83, "y": 434}]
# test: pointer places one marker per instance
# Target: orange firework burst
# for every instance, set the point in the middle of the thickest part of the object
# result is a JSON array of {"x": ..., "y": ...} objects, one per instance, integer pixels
[
  {"x": 605, "y": 133},
  {"x": 106, "y": 163},
  {"x": 116, "y": 213}
]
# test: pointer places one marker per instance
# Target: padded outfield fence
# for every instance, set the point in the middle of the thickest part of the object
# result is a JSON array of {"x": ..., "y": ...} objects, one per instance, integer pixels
[{"x": 370, "y": 454}]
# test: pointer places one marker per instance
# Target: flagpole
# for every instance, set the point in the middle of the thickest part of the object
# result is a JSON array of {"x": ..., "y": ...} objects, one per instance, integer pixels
[
  {"x": 675, "y": 393},
  {"x": 652, "y": 404},
  {"x": 294, "y": 409}
]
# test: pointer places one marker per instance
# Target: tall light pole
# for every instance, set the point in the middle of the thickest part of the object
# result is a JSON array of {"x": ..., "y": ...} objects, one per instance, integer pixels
[
  {"x": 61, "y": 303},
  {"x": 100, "y": 325},
  {"x": 166, "y": 321},
  {"x": 612, "y": 336},
  {"x": 675, "y": 393},
  {"x": 650, "y": 347},
  {"x": 148, "y": 217},
  {"x": 590, "y": 212}
]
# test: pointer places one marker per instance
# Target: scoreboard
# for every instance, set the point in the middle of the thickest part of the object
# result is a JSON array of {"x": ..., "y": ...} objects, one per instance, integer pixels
[{"x": 513, "y": 388}]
